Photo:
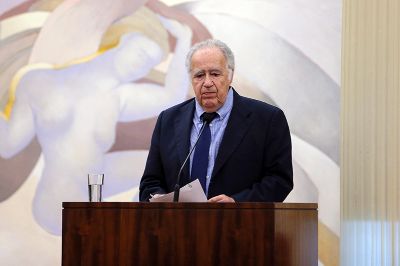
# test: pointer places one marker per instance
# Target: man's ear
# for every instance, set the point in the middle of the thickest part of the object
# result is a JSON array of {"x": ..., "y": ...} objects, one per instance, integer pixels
[{"x": 231, "y": 75}]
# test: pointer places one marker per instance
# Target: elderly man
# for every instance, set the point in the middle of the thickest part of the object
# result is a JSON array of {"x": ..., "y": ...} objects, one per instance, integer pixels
[{"x": 244, "y": 150}]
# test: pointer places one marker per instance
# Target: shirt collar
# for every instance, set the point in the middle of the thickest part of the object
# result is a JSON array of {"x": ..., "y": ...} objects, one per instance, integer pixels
[{"x": 222, "y": 111}]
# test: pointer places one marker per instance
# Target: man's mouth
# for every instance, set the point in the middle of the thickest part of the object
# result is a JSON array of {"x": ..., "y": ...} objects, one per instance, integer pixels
[{"x": 209, "y": 94}]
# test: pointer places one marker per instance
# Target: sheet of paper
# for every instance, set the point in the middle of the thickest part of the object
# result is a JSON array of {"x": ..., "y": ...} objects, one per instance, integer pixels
[{"x": 192, "y": 192}]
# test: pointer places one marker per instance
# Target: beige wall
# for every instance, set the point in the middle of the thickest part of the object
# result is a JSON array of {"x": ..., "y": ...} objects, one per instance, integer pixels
[{"x": 370, "y": 115}]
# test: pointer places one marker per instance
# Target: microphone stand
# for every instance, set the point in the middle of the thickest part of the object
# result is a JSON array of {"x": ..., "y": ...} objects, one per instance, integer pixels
[{"x": 177, "y": 187}]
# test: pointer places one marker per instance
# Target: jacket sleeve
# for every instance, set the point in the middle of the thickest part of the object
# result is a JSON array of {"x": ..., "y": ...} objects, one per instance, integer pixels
[
  {"x": 277, "y": 179},
  {"x": 153, "y": 179}
]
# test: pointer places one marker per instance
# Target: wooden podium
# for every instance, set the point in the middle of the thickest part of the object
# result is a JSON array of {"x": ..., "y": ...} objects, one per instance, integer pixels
[{"x": 129, "y": 233}]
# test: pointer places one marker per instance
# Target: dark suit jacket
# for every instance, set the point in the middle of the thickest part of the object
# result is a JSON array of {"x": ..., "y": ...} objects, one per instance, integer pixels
[{"x": 254, "y": 161}]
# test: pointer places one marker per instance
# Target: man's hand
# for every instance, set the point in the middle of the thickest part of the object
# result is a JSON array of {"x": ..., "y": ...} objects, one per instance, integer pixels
[{"x": 221, "y": 198}]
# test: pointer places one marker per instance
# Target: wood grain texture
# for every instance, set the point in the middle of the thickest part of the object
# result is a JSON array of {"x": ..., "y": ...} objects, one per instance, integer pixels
[{"x": 112, "y": 233}]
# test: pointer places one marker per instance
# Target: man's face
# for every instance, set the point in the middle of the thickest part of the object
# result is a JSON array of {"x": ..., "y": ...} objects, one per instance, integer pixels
[{"x": 210, "y": 78}]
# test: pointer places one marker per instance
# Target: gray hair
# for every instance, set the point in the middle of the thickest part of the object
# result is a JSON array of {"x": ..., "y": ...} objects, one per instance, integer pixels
[{"x": 210, "y": 43}]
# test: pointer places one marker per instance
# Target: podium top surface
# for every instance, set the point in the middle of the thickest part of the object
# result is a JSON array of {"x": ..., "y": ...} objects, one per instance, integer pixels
[{"x": 191, "y": 205}]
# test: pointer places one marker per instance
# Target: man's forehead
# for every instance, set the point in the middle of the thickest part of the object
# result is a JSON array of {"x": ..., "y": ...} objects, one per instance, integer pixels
[
  {"x": 208, "y": 59},
  {"x": 208, "y": 54}
]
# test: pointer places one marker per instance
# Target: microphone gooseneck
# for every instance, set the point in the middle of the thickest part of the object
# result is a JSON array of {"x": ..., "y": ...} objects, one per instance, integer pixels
[{"x": 207, "y": 118}]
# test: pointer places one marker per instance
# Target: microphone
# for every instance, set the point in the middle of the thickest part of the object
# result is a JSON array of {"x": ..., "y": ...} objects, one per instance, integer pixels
[{"x": 207, "y": 118}]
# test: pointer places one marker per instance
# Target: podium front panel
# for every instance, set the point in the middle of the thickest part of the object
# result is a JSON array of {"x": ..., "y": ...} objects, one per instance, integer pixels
[{"x": 127, "y": 233}]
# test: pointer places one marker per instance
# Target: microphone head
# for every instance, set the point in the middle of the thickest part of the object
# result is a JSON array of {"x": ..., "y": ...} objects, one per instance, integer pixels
[{"x": 208, "y": 117}]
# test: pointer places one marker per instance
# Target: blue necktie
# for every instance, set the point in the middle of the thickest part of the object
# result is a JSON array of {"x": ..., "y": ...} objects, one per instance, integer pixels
[{"x": 201, "y": 153}]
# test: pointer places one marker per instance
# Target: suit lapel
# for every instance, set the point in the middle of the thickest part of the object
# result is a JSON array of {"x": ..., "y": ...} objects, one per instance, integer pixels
[
  {"x": 235, "y": 130},
  {"x": 183, "y": 126}
]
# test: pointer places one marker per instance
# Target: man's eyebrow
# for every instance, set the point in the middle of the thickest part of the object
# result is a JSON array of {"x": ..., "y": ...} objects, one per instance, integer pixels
[
  {"x": 215, "y": 70},
  {"x": 198, "y": 71}
]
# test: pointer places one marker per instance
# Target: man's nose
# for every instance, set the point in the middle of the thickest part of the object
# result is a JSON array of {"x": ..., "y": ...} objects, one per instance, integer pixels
[{"x": 208, "y": 81}]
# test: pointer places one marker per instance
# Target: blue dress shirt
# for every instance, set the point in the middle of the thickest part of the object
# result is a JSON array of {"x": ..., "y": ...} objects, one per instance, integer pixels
[{"x": 217, "y": 127}]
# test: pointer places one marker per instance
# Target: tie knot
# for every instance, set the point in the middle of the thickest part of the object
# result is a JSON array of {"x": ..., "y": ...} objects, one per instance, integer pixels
[{"x": 208, "y": 117}]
